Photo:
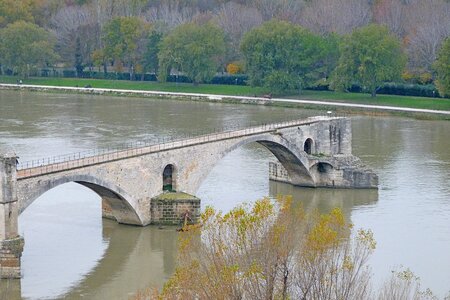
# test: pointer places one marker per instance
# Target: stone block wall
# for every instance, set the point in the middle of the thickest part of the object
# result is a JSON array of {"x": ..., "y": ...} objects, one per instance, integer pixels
[
  {"x": 171, "y": 209},
  {"x": 10, "y": 253}
]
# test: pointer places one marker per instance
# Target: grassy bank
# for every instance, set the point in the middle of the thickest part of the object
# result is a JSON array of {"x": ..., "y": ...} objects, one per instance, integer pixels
[
  {"x": 357, "y": 98},
  {"x": 236, "y": 90}
]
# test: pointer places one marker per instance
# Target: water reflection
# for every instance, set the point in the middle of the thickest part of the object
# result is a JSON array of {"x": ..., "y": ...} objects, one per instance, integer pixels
[
  {"x": 136, "y": 258},
  {"x": 70, "y": 252},
  {"x": 325, "y": 200}
]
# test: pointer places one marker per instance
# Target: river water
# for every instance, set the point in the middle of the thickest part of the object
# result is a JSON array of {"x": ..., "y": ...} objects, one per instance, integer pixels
[{"x": 71, "y": 253}]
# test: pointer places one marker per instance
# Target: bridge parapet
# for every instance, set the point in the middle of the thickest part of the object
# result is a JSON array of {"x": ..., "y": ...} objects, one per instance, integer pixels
[{"x": 87, "y": 158}]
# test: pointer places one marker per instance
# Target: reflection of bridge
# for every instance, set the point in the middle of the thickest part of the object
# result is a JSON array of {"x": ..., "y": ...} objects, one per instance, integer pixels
[{"x": 311, "y": 151}]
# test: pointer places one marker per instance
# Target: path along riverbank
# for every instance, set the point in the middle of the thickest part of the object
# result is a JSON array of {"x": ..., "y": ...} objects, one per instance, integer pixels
[{"x": 310, "y": 104}]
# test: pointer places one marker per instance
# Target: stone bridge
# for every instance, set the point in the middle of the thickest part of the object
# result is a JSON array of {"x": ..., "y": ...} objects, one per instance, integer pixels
[{"x": 313, "y": 152}]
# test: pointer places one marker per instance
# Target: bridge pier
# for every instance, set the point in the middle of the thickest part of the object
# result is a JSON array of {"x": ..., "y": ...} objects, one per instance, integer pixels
[{"x": 11, "y": 244}]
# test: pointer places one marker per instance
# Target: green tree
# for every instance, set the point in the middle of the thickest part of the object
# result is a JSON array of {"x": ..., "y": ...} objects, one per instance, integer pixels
[
  {"x": 282, "y": 56},
  {"x": 24, "y": 46},
  {"x": 13, "y": 10},
  {"x": 192, "y": 49},
  {"x": 150, "y": 59},
  {"x": 442, "y": 67},
  {"x": 123, "y": 38},
  {"x": 370, "y": 56}
]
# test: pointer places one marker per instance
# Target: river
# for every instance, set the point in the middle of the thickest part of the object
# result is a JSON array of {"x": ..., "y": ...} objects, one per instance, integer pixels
[{"x": 71, "y": 253}]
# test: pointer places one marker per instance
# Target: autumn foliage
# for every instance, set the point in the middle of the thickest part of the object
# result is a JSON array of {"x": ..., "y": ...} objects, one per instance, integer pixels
[
  {"x": 271, "y": 250},
  {"x": 276, "y": 250}
]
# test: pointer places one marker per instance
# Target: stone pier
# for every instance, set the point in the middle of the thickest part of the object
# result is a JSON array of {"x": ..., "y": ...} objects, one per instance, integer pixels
[
  {"x": 11, "y": 244},
  {"x": 136, "y": 183},
  {"x": 172, "y": 208}
]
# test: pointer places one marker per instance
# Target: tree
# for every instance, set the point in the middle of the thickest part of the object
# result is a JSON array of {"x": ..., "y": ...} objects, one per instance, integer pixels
[
  {"x": 429, "y": 25},
  {"x": 168, "y": 16},
  {"x": 76, "y": 33},
  {"x": 24, "y": 46},
  {"x": 369, "y": 57},
  {"x": 282, "y": 56},
  {"x": 150, "y": 58},
  {"x": 194, "y": 50},
  {"x": 442, "y": 67},
  {"x": 337, "y": 16},
  {"x": 123, "y": 37},
  {"x": 13, "y": 10},
  {"x": 271, "y": 251},
  {"x": 236, "y": 20}
]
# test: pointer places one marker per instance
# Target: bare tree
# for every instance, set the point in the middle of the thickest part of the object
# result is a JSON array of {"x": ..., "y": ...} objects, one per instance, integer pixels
[
  {"x": 129, "y": 8},
  {"x": 170, "y": 16},
  {"x": 288, "y": 10},
  {"x": 392, "y": 13},
  {"x": 77, "y": 33},
  {"x": 339, "y": 16},
  {"x": 236, "y": 19},
  {"x": 429, "y": 25}
]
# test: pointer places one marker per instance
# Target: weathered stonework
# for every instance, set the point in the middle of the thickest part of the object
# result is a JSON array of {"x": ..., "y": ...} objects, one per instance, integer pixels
[
  {"x": 11, "y": 244},
  {"x": 314, "y": 152},
  {"x": 172, "y": 209},
  {"x": 332, "y": 172},
  {"x": 10, "y": 253}
]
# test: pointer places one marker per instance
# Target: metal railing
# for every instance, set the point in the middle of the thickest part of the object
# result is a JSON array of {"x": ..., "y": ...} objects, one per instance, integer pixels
[{"x": 85, "y": 158}]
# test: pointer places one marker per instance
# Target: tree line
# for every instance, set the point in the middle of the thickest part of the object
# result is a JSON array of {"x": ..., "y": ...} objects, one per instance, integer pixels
[{"x": 285, "y": 45}]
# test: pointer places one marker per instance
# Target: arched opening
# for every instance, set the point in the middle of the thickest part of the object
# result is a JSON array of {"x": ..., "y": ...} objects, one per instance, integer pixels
[
  {"x": 240, "y": 172},
  {"x": 307, "y": 147},
  {"x": 168, "y": 179},
  {"x": 67, "y": 212},
  {"x": 64, "y": 222}
]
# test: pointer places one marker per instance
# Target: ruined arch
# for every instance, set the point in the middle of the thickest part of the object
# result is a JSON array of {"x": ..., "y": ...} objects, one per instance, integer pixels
[
  {"x": 122, "y": 205},
  {"x": 293, "y": 159}
]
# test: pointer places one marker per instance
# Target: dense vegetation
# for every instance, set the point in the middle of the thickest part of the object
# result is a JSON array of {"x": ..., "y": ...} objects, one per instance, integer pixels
[
  {"x": 283, "y": 45},
  {"x": 275, "y": 250}
]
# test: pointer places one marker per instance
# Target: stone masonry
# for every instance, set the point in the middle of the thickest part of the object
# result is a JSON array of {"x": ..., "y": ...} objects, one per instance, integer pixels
[
  {"x": 312, "y": 152},
  {"x": 11, "y": 244},
  {"x": 173, "y": 208}
]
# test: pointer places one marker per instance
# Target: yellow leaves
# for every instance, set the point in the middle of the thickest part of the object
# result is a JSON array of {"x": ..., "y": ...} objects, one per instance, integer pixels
[
  {"x": 232, "y": 68},
  {"x": 328, "y": 231},
  {"x": 406, "y": 275},
  {"x": 207, "y": 214},
  {"x": 366, "y": 237},
  {"x": 348, "y": 264},
  {"x": 255, "y": 251}
]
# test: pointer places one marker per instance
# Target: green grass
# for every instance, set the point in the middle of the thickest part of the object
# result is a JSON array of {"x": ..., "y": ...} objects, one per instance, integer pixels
[
  {"x": 175, "y": 196},
  {"x": 237, "y": 90},
  {"x": 389, "y": 100}
]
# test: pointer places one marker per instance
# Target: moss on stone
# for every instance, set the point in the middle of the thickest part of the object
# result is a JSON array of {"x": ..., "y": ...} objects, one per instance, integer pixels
[{"x": 175, "y": 196}]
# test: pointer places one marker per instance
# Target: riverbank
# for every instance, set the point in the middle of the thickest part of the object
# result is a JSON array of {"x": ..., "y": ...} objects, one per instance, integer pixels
[{"x": 423, "y": 108}]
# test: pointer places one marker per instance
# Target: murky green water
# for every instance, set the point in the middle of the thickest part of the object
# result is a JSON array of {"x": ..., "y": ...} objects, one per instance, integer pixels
[{"x": 71, "y": 253}]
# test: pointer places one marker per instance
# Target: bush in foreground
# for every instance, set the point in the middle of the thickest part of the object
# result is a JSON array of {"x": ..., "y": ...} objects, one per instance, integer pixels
[{"x": 276, "y": 251}]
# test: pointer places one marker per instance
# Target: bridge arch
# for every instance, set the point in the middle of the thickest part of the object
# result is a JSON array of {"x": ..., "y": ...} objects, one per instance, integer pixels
[
  {"x": 122, "y": 205},
  {"x": 293, "y": 159}
]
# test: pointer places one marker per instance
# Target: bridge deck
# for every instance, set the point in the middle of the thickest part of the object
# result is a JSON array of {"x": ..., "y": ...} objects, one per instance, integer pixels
[{"x": 78, "y": 160}]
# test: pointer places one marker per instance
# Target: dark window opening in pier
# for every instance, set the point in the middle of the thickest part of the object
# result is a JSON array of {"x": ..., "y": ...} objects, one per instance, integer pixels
[
  {"x": 308, "y": 146},
  {"x": 168, "y": 182},
  {"x": 322, "y": 168}
]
